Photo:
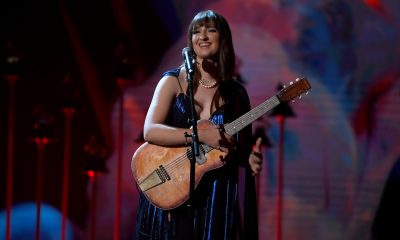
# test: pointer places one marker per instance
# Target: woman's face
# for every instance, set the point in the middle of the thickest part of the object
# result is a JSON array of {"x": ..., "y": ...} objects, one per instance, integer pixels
[{"x": 205, "y": 40}]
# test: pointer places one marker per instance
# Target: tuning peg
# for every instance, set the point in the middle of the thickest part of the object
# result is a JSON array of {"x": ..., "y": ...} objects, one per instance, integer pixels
[
  {"x": 291, "y": 83},
  {"x": 300, "y": 96},
  {"x": 307, "y": 93}
]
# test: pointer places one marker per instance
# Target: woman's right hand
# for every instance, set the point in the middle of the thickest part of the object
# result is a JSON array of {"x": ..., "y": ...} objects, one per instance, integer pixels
[{"x": 215, "y": 137}]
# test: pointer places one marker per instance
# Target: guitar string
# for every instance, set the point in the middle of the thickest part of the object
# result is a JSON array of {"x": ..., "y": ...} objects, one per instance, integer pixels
[
  {"x": 178, "y": 162},
  {"x": 253, "y": 114},
  {"x": 169, "y": 166},
  {"x": 258, "y": 111}
]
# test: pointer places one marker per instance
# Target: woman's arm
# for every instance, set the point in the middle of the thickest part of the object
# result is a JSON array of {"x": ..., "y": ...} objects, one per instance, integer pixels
[{"x": 157, "y": 132}]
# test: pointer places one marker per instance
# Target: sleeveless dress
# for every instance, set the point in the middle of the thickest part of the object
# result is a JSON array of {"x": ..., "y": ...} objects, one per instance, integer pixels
[{"x": 214, "y": 211}]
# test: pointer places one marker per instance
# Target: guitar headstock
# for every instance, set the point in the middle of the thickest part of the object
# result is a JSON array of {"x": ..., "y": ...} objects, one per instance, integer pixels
[{"x": 295, "y": 89}]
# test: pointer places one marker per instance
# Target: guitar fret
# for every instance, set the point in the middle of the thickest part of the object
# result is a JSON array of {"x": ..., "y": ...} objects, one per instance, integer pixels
[{"x": 246, "y": 119}]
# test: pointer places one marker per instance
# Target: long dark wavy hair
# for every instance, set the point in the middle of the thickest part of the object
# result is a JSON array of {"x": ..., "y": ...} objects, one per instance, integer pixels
[{"x": 226, "y": 55}]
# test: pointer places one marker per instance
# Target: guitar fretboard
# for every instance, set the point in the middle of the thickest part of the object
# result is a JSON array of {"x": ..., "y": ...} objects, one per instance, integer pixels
[{"x": 252, "y": 115}]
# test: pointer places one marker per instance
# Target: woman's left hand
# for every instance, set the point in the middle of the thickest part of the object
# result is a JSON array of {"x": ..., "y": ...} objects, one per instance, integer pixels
[{"x": 255, "y": 158}]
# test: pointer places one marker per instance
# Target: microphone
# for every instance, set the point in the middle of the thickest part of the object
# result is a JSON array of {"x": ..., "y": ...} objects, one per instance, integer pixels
[{"x": 189, "y": 61}]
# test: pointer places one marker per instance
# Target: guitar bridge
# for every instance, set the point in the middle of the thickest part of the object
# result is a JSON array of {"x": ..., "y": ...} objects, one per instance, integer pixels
[{"x": 157, "y": 177}]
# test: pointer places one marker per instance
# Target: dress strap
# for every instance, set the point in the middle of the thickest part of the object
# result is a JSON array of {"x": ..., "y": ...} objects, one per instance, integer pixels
[{"x": 175, "y": 73}]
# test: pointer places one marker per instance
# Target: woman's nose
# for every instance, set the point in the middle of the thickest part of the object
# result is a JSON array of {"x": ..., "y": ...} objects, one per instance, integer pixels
[{"x": 203, "y": 35}]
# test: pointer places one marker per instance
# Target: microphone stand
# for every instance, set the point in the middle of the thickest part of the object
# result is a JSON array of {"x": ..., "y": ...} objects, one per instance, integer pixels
[
  {"x": 194, "y": 145},
  {"x": 195, "y": 140},
  {"x": 189, "y": 67}
]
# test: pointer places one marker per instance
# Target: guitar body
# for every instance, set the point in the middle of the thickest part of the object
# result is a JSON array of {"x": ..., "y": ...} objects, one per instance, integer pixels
[{"x": 167, "y": 186}]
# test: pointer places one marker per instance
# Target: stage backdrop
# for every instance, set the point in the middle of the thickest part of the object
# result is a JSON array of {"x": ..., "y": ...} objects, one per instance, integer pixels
[
  {"x": 341, "y": 145},
  {"x": 343, "y": 140}
]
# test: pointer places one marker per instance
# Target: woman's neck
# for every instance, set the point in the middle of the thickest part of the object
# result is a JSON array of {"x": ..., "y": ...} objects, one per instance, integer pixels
[{"x": 208, "y": 69}]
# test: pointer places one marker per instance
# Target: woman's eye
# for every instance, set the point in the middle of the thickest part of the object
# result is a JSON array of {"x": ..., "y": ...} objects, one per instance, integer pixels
[{"x": 212, "y": 30}]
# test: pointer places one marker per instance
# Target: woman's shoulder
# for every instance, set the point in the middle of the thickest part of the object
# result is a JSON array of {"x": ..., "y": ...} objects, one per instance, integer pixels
[
  {"x": 236, "y": 86},
  {"x": 174, "y": 72},
  {"x": 173, "y": 79}
]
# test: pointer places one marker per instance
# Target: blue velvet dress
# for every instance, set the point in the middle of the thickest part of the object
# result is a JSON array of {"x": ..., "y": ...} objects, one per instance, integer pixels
[{"x": 215, "y": 208}]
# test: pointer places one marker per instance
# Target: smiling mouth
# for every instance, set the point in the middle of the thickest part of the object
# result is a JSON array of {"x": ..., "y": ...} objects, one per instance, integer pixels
[{"x": 204, "y": 44}]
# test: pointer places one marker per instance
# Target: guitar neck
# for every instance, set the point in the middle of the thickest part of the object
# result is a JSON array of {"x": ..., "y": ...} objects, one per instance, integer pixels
[
  {"x": 286, "y": 94},
  {"x": 252, "y": 115}
]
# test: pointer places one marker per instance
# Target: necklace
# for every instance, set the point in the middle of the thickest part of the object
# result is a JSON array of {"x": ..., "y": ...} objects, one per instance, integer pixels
[{"x": 208, "y": 83}]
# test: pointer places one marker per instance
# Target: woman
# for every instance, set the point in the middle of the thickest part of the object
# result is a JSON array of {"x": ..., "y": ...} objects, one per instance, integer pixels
[{"x": 214, "y": 211}]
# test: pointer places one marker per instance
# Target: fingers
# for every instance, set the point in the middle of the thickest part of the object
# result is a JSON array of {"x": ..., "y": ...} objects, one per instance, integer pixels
[
  {"x": 255, "y": 164},
  {"x": 225, "y": 141},
  {"x": 257, "y": 146},
  {"x": 225, "y": 146},
  {"x": 223, "y": 149},
  {"x": 224, "y": 137},
  {"x": 256, "y": 157},
  {"x": 214, "y": 137}
]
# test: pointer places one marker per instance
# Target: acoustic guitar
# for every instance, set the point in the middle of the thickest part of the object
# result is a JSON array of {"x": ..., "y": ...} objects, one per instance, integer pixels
[{"x": 163, "y": 173}]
